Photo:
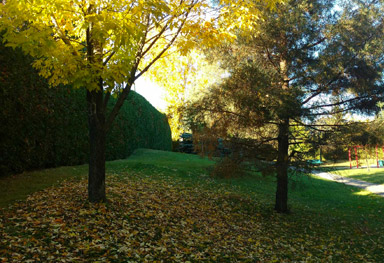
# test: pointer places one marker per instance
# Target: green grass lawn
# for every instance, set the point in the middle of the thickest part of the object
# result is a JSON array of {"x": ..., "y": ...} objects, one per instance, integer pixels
[
  {"x": 18, "y": 187},
  {"x": 164, "y": 206},
  {"x": 372, "y": 175}
]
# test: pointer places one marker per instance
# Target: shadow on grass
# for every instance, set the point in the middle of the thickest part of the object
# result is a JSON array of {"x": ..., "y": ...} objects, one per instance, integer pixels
[{"x": 18, "y": 187}]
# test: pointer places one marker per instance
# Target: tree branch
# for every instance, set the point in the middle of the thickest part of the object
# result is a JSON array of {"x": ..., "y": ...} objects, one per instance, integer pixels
[
  {"x": 337, "y": 103},
  {"x": 128, "y": 86},
  {"x": 108, "y": 58},
  {"x": 308, "y": 46},
  {"x": 167, "y": 46}
]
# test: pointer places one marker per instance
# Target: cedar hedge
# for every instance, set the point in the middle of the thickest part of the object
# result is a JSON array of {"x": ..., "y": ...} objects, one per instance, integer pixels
[{"x": 45, "y": 127}]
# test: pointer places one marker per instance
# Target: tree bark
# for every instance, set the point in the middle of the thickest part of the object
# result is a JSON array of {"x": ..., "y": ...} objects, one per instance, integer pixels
[
  {"x": 281, "y": 201},
  {"x": 96, "y": 121},
  {"x": 97, "y": 143}
]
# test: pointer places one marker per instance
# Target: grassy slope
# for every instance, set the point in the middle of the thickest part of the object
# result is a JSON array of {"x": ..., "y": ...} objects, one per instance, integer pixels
[{"x": 330, "y": 221}]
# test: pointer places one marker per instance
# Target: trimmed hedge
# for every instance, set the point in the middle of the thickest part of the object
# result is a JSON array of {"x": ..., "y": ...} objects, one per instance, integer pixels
[
  {"x": 138, "y": 125},
  {"x": 47, "y": 127}
]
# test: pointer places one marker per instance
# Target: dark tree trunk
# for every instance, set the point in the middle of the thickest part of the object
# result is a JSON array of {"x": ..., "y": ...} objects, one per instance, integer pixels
[
  {"x": 281, "y": 202},
  {"x": 97, "y": 140}
]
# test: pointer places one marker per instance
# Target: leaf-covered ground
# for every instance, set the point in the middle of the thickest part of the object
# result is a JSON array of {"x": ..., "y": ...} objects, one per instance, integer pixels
[{"x": 154, "y": 219}]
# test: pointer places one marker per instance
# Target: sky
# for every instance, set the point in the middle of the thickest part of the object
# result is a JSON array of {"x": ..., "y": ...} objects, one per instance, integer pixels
[{"x": 151, "y": 92}]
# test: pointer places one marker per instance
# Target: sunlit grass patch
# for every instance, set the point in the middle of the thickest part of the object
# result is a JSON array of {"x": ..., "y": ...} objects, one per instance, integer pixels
[
  {"x": 362, "y": 192},
  {"x": 372, "y": 175}
]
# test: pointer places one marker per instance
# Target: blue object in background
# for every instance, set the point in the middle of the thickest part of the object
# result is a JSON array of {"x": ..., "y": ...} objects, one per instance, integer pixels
[{"x": 315, "y": 161}]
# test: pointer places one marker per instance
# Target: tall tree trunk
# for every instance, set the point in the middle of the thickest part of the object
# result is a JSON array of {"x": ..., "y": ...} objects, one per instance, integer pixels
[
  {"x": 97, "y": 141},
  {"x": 96, "y": 121},
  {"x": 281, "y": 202}
]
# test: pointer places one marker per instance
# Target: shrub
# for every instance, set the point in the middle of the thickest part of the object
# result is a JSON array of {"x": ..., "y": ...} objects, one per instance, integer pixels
[{"x": 229, "y": 167}]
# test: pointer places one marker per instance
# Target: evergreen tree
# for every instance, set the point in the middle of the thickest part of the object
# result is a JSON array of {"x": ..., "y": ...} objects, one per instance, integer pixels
[{"x": 284, "y": 74}]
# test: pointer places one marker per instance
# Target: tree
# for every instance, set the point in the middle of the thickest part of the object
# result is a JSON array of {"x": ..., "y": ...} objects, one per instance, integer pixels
[
  {"x": 284, "y": 74},
  {"x": 183, "y": 78},
  {"x": 104, "y": 46},
  {"x": 101, "y": 46}
]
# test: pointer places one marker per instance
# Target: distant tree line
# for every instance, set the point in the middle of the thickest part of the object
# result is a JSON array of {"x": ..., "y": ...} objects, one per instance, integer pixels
[
  {"x": 335, "y": 144},
  {"x": 47, "y": 127}
]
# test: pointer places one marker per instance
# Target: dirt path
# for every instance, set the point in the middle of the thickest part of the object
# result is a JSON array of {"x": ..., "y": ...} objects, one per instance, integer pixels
[{"x": 373, "y": 188}]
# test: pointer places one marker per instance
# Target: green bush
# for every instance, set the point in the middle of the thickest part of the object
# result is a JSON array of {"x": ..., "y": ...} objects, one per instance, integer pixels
[
  {"x": 47, "y": 127},
  {"x": 138, "y": 125}
]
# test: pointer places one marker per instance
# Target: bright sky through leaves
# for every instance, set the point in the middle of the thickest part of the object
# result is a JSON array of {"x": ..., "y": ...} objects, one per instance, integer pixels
[{"x": 152, "y": 92}]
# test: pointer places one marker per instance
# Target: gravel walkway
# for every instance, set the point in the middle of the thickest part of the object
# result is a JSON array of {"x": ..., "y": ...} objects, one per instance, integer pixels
[{"x": 373, "y": 188}]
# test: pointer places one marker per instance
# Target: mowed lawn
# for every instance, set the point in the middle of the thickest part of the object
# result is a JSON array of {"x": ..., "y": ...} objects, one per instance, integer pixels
[
  {"x": 165, "y": 207},
  {"x": 373, "y": 174}
]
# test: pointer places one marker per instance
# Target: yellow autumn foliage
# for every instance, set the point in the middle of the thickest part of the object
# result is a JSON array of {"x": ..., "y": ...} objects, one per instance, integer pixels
[
  {"x": 127, "y": 37},
  {"x": 184, "y": 78}
]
